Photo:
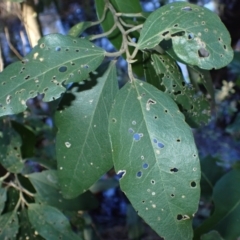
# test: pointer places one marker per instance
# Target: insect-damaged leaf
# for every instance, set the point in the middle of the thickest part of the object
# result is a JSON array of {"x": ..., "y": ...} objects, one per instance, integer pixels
[
  {"x": 189, "y": 33},
  {"x": 55, "y": 61},
  {"x": 226, "y": 198},
  {"x": 83, "y": 147},
  {"x": 195, "y": 107},
  {"x": 50, "y": 223},
  {"x": 47, "y": 186},
  {"x": 154, "y": 149},
  {"x": 9, "y": 225}
]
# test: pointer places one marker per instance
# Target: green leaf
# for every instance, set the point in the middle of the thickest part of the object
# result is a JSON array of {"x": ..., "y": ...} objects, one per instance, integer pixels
[
  {"x": 211, "y": 173},
  {"x": 195, "y": 107},
  {"x": 10, "y": 149},
  {"x": 154, "y": 149},
  {"x": 26, "y": 229},
  {"x": 55, "y": 61},
  {"x": 8, "y": 225},
  {"x": 213, "y": 235},
  {"x": 47, "y": 186},
  {"x": 50, "y": 223},
  {"x": 79, "y": 28},
  {"x": 12, "y": 199},
  {"x": 190, "y": 34},
  {"x": 83, "y": 148},
  {"x": 226, "y": 198},
  {"x": 3, "y": 198}
]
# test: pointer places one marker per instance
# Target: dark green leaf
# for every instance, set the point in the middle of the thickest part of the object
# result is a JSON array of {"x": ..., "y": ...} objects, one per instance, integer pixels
[
  {"x": 55, "y": 61},
  {"x": 225, "y": 218},
  {"x": 46, "y": 184},
  {"x": 50, "y": 223},
  {"x": 195, "y": 107},
  {"x": 10, "y": 151},
  {"x": 26, "y": 229},
  {"x": 211, "y": 173},
  {"x": 8, "y": 225},
  {"x": 3, "y": 198},
  {"x": 213, "y": 235},
  {"x": 154, "y": 149},
  {"x": 83, "y": 148},
  {"x": 192, "y": 34},
  {"x": 12, "y": 199}
]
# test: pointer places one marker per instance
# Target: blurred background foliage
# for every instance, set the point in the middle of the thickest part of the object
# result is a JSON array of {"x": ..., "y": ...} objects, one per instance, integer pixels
[{"x": 22, "y": 23}]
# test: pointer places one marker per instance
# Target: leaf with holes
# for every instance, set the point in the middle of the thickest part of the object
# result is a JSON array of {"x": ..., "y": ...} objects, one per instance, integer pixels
[
  {"x": 190, "y": 34},
  {"x": 10, "y": 149},
  {"x": 9, "y": 225},
  {"x": 3, "y": 197},
  {"x": 83, "y": 148},
  {"x": 154, "y": 149},
  {"x": 226, "y": 198},
  {"x": 48, "y": 192},
  {"x": 50, "y": 223},
  {"x": 195, "y": 107},
  {"x": 55, "y": 61}
]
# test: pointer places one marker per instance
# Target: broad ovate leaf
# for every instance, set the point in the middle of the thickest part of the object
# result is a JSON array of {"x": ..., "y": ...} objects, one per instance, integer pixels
[
  {"x": 194, "y": 106},
  {"x": 226, "y": 198},
  {"x": 9, "y": 225},
  {"x": 83, "y": 147},
  {"x": 3, "y": 197},
  {"x": 190, "y": 33},
  {"x": 55, "y": 61},
  {"x": 48, "y": 192},
  {"x": 154, "y": 150},
  {"x": 50, "y": 223}
]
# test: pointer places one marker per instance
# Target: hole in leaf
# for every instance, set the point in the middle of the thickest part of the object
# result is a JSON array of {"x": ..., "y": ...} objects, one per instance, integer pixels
[
  {"x": 225, "y": 47},
  {"x": 179, "y": 217},
  {"x": 139, "y": 174},
  {"x": 27, "y": 77},
  {"x": 155, "y": 117},
  {"x": 165, "y": 33},
  {"x": 175, "y": 25},
  {"x": 160, "y": 145},
  {"x": 58, "y": 49},
  {"x": 193, "y": 184},
  {"x": 42, "y": 45},
  {"x": 174, "y": 170},
  {"x": 121, "y": 173},
  {"x": 137, "y": 136},
  {"x": 143, "y": 201},
  {"x": 155, "y": 140},
  {"x": 187, "y": 9},
  {"x": 190, "y": 36},
  {"x": 202, "y": 52},
  {"x": 150, "y": 102},
  {"x": 166, "y": 111},
  {"x": 114, "y": 120},
  {"x": 77, "y": 50},
  {"x": 178, "y": 140},
  {"x": 172, "y": 195},
  {"x": 145, "y": 165},
  {"x": 62, "y": 69},
  {"x": 130, "y": 130},
  {"x": 152, "y": 181},
  {"x": 203, "y": 22}
]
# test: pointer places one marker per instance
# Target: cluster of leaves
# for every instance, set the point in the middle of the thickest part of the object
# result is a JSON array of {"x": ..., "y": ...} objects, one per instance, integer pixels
[{"x": 141, "y": 130}]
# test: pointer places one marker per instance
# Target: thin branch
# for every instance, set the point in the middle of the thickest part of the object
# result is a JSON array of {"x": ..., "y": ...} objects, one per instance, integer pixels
[
  {"x": 10, "y": 44},
  {"x": 134, "y": 28},
  {"x": 103, "y": 16},
  {"x": 130, "y": 15},
  {"x": 105, "y": 34},
  {"x": 126, "y": 24},
  {"x": 5, "y": 176},
  {"x": 22, "y": 189}
]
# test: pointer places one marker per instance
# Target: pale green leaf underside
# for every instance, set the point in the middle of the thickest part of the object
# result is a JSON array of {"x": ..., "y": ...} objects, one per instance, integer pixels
[
  {"x": 195, "y": 107},
  {"x": 226, "y": 198},
  {"x": 154, "y": 149},
  {"x": 8, "y": 225},
  {"x": 192, "y": 34},
  {"x": 55, "y": 61},
  {"x": 50, "y": 223},
  {"x": 3, "y": 197},
  {"x": 83, "y": 147}
]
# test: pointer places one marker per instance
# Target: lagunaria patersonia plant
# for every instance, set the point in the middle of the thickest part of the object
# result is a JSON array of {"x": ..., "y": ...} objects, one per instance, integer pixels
[{"x": 141, "y": 130}]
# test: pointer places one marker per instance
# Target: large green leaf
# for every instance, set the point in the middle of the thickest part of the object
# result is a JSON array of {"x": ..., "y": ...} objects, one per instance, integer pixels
[
  {"x": 194, "y": 106},
  {"x": 154, "y": 149},
  {"x": 83, "y": 148},
  {"x": 191, "y": 34},
  {"x": 50, "y": 223},
  {"x": 213, "y": 235},
  {"x": 3, "y": 198},
  {"x": 55, "y": 61},
  {"x": 225, "y": 218},
  {"x": 8, "y": 225},
  {"x": 47, "y": 186}
]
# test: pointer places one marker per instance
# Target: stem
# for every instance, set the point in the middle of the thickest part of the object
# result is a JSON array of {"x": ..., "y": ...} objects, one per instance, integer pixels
[
  {"x": 5, "y": 176},
  {"x": 134, "y": 28},
  {"x": 130, "y": 15},
  {"x": 22, "y": 189},
  {"x": 104, "y": 34},
  {"x": 103, "y": 16}
]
